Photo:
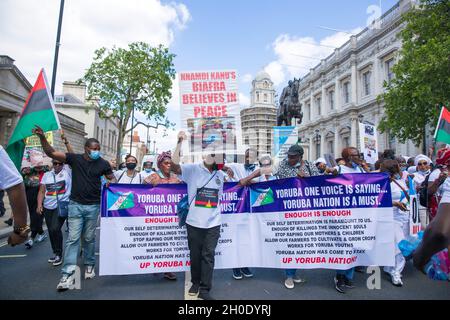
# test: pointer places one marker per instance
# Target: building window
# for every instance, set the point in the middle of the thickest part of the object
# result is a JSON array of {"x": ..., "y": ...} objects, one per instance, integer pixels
[
  {"x": 346, "y": 141},
  {"x": 308, "y": 106},
  {"x": 265, "y": 97},
  {"x": 319, "y": 106},
  {"x": 331, "y": 147},
  {"x": 366, "y": 83},
  {"x": 346, "y": 92},
  {"x": 317, "y": 150},
  {"x": 389, "y": 73},
  {"x": 257, "y": 96},
  {"x": 331, "y": 99}
]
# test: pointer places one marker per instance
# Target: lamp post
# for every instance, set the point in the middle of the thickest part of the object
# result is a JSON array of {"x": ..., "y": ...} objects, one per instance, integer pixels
[
  {"x": 154, "y": 145},
  {"x": 58, "y": 37}
]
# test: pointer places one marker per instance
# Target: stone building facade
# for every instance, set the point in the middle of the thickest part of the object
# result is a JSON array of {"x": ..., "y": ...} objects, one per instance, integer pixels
[{"x": 342, "y": 90}]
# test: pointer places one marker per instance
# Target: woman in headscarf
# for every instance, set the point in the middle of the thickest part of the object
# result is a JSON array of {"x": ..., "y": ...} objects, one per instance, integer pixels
[
  {"x": 437, "y": 234},
  {"x": 436, "y": 179},
  {"x": 162, "y": 176},
  {"x": 422, "y": 163}
]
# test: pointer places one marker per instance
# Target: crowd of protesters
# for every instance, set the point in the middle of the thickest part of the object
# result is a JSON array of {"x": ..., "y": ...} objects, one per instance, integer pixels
[{"x": 71, "y": 191}]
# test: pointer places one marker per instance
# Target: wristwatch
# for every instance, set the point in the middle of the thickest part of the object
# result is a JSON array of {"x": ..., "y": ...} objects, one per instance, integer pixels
[{"x": 22, "y": 231}]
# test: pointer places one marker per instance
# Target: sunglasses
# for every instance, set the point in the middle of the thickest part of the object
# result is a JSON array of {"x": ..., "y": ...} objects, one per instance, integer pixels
[{"x": 422, "y": 163}]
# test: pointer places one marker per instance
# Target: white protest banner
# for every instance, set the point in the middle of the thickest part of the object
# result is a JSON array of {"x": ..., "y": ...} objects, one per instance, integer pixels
[
  {"x": 368, "y": 142},
  {"x": 210, "y": 111},
  {"x": 334, "y": 222},
  {"x": 414, "y": 220}
]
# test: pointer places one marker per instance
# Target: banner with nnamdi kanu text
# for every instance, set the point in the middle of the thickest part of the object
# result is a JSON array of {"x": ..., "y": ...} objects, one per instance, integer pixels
[{"x": 334, "y": 222}]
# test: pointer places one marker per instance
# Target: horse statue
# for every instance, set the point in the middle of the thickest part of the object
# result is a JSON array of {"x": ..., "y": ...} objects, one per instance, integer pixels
[{"x": 290, "y": 107}]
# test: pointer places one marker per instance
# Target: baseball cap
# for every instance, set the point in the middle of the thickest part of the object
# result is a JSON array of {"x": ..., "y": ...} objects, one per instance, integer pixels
[{"x": 295, "y": 150}]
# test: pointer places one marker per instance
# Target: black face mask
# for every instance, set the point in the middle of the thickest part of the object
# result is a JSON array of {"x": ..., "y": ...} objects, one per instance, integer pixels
[{"x": 131, "y": 166}]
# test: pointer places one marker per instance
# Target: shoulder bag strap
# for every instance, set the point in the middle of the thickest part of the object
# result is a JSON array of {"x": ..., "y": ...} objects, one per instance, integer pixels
[
  {"x": 212, "y": 176},
  {"x": 123, "y": 172},
  {"x": 401, "y": 187}
]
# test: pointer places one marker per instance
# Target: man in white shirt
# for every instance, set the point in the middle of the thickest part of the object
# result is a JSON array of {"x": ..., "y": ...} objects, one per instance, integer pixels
[
  {"x": 205, "y": 185},
  {"x": 344, "y": 278},
  {"x": 11, "y": 181},
  {"x": 240, "y": 171},
  {"x": 147, "y": 169}
]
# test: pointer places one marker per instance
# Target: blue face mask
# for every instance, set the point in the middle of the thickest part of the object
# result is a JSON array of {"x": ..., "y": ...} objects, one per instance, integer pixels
[
  {"x": 397, "y": 176},
  {"x": 355, "y": 165},
  {"x": 148, "y": 170},
  {"x": 94, "y": 155}
]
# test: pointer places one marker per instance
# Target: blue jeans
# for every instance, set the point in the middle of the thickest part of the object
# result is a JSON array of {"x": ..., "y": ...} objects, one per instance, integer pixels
[
  {"x": 82, "y": 222},
  {"x": 347, "y": 273},
  {"x": 290, "y": 273}
]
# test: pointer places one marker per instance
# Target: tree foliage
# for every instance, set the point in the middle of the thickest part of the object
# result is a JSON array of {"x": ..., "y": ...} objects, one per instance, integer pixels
[
  {"x": 138, "y": 77},
  {"x": 422, "y": 75}
]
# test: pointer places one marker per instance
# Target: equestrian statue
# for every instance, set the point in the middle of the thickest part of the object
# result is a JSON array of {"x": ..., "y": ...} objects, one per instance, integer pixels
[{"x": 290, "y": 107}]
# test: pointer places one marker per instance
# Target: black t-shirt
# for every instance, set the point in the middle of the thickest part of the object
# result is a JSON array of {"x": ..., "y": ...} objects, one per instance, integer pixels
[{"x": 86, "y": 178}]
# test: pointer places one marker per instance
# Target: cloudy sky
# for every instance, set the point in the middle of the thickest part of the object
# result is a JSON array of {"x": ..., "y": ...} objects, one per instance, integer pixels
[{"x": 285, "y": 37}]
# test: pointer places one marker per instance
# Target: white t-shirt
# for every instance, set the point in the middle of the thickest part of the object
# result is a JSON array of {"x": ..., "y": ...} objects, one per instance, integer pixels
[
  {"x": 433, "y": 177},
  {"x": 122, "y": 177},
  {"x": 419, "y": 178},
  {"x": 240, "y": 172},
  {"x": 9, "y": 176},
  {"x": 60, "y": 183},
  {"x": 345, "y": 169},
  {"x": 444, "y": 190},
  {"x": 204, "y": 211},
  {"x": 145, "y": 174},
  {"x": 399, "y": 195}
]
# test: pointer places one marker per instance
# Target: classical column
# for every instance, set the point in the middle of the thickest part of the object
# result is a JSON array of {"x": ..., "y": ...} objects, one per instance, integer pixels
[
  {"x": 337, "y": 92},
  {"x": 324, "y": 102},
  {"x": 311, "y": 153},
  {"x": 337, "y": 142},
  {"x": 353, "y": 80},
  {"x": 322, "y": 142},
  {"x": 377, "y": 77},
  {"x": 311, "y": 99},
  {"x": 353, "y": 133}
]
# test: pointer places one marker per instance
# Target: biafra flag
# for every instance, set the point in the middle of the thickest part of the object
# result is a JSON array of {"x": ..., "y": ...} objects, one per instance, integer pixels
[
  {"x": 442, "y": 133},
  {"x": 39, "y": 109}
]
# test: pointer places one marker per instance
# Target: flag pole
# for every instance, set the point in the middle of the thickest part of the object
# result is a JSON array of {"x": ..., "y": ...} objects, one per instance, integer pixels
[
  {"x": 437, "y": 126},
  {"x": 58, "y": 37}
]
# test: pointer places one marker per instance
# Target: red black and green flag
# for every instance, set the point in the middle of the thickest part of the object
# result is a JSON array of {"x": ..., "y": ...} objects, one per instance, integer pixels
[
  {"x": 39, "y": 109},
  {"x": 442, "y": 133}
]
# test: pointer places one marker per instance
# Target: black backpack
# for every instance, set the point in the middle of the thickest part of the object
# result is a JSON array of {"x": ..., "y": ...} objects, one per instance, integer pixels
[{"x": 423, "y": 192}]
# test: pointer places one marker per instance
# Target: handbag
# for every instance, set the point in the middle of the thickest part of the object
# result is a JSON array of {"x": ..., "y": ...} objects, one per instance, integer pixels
[
  {"x": 185, "y": 204},
  {"x": 62, "y": 206}
]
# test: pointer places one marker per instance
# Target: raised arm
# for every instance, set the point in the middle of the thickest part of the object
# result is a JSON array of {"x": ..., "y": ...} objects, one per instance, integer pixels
[
  {"x": 66, "y": 142},
  {"x": 175, "y": 164},
  {"x": 48, "y": 149}
]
